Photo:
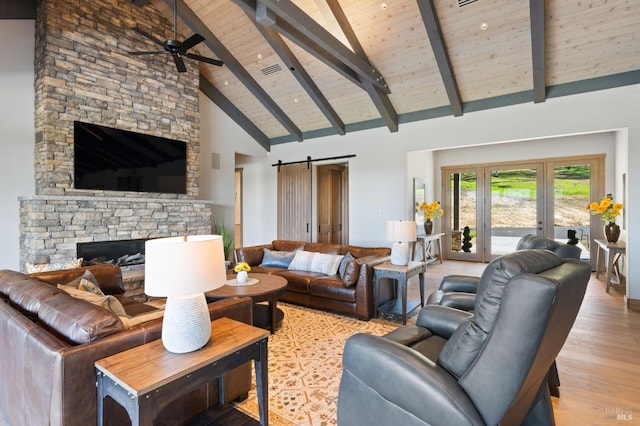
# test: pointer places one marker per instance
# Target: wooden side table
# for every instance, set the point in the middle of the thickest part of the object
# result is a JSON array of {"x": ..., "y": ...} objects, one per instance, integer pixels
[
  {"x": 401, "y": 274},
  {"x": 146, "y": 378},
  {"x": 612, "y": 252},
  {"x": 268, "y": 289},
  {"x": 428, "y": 244}
]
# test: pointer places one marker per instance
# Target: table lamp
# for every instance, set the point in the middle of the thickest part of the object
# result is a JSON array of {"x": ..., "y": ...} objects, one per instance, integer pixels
[
  {"x": 400, "y": 232},
  {"x": 182, "y": 269}
]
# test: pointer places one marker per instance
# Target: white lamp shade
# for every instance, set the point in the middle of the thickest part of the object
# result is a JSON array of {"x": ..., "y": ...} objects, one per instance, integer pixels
[
  {"x": 180, "y": 266},
  {"x": 401, "y": 230}
]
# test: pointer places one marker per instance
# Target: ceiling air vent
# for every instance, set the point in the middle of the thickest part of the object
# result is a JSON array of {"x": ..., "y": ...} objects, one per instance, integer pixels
[
  {"x": 271, "y": 69},
  {"x": 465, "y": 2}
]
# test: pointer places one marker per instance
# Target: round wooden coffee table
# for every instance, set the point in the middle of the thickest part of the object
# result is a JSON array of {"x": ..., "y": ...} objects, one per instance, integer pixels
[{"x": 267, "y": 289}]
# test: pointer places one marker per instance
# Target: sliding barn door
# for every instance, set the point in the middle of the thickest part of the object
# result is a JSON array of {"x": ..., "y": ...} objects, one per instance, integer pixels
[{"x": 294, "y": 203}]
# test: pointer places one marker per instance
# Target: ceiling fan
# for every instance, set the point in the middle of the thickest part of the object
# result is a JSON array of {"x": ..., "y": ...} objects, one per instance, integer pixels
[{"x": 175, "y": 48}]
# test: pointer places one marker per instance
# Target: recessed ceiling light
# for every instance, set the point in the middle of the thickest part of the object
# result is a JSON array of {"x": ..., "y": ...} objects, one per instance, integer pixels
[
  {"x": 384, "y": 5},
  {"x": 295, "y": 100},
  {"x": 484, "y": 26},
  {"x": 259, "y": 55},
  {"x": 226, "y": 83}
]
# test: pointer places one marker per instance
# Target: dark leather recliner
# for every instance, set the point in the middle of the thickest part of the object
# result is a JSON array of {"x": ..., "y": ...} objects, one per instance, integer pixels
[
  {"x": 458, "y": 291},
  {"x": 458, "y": 368}
]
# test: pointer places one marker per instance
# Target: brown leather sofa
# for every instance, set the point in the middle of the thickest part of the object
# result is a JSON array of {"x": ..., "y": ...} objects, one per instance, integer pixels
[
  {"x": 345, "y": 294},
  {"x": 50, "y": 342}
]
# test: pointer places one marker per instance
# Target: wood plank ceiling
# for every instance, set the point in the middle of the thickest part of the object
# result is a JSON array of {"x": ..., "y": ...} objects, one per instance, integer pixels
[{"x": 306, "y": 68}]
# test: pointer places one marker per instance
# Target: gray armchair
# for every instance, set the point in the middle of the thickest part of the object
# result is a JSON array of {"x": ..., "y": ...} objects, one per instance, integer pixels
[{"x": 458, "y": 368}]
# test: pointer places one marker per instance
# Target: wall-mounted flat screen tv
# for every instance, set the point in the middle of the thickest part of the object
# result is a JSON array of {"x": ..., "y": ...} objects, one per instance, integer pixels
[{"x": 119, "y": 160}]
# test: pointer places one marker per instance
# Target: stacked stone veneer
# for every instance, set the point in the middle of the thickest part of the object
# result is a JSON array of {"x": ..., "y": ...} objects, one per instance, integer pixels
[
  {"x": 52, "y": 226},
  {"x": 82, "y": 72}
]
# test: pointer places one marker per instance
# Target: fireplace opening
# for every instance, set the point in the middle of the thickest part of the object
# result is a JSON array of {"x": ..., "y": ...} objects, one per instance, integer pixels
[{"x": 121, "y": 252}]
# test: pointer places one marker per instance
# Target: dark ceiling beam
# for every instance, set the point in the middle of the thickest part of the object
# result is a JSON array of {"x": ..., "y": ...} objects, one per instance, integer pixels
[
  {"x": 140, "y": 3},
  {"x": 212, "y": 42},
  {"x": 232, "y": 111},
  {"x": 305, "y": 80},
  {"x": 434, "y": 31},
  {"x": 380, "y": 100},
  {"x": 536, "y": 10},
  {"x": 250, "y": 7},
  {"x": 310, "y": 29}
]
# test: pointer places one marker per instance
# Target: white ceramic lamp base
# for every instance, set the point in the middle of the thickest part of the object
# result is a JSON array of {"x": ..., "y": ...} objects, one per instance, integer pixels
[
  {"x": 186, "y": 326},
  {"x": 400, "y": 254}
]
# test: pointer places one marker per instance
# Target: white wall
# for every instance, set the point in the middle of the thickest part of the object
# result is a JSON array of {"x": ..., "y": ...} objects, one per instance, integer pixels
[
  {"x": 379, "y": 175},
  {"x": 17, "y": 134},
  {"x": 221, "y": 135}
]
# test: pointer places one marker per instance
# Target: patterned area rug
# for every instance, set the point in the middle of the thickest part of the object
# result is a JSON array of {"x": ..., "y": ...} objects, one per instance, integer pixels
[{"x": 305, "y": 365}]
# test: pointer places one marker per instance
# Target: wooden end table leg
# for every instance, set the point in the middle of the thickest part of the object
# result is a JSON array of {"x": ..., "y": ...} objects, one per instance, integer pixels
[
  {"x": 403, "y": 285},
  {"x": 273, "y": 313},
  {"x": 262, "y": 382},
  {"x": 421, "y": 282}
]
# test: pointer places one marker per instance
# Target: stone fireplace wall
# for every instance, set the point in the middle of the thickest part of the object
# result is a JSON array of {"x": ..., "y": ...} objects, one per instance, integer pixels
[
  {"x": 51, "y": 226},
  {"x": 83, "y": 73}
]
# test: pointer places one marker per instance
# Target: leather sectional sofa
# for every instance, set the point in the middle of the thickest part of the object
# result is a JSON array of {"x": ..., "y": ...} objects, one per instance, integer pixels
[
  {"x": 51, "y": 340},
  {"x": 350, "y": 292}
]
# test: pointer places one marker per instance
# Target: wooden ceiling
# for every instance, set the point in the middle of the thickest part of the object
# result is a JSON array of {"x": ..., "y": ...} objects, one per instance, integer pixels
[{"x": 298, "y": 69}]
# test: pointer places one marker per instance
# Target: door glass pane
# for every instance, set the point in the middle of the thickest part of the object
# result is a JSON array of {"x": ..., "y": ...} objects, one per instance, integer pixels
[
  {"x": 463, "y": 212},
  {"x": 571, "y": 188},
  {"x": 513, "y": 207}
]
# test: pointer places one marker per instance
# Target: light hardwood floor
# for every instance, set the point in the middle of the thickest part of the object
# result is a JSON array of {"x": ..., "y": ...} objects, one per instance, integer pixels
[{"x": 599, "y": 365}]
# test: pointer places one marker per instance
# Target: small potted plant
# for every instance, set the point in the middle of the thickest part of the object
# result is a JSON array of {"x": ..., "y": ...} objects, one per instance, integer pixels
[{"x": 242, "y": 269}]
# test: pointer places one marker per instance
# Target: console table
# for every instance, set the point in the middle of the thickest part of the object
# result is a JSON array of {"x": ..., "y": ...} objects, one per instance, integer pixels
[
  {"x": 401, "y": 275},
  {"x": 144, "y": 379},
  {"x": 428, "y": 243},
  {"x": 613, "y": 252}
]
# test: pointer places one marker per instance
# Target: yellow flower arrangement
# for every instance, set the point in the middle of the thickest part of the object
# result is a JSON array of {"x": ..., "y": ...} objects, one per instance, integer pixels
[
  {"x": 606, "y": 209},
  {"x": 242, "y": 266},
  {"x": 431, "y": 210}
]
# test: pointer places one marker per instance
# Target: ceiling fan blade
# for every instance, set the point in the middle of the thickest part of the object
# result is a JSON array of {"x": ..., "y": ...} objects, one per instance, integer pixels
[
  {"x": 192, "y": 41},
  {"x": 179, "y": 63},
  {"x": 205, "y": 59},
  {"x": 151, "y": 52},
  {"x": 147, "y": 35}
]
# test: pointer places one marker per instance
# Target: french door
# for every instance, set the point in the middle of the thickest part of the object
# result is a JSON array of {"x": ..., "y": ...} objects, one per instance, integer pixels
[{"x": 490, "y": 206}]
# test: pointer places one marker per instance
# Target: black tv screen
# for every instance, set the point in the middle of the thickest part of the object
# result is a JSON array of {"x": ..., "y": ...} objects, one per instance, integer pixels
[{"x": 119, "y": 160}]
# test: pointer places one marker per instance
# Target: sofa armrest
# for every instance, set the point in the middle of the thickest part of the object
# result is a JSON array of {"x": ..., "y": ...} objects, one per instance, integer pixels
[
  {"x": 406, "y": 389},
  {"x": 364, "y": 285},
  {"x": 461, "y": 283},
  {"x": 441, "y": 320},
  {"x": 252, "y": 255}
]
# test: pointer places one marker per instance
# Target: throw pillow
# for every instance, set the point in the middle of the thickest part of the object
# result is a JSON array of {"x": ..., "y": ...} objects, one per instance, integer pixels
[
  {"x": 129, "y": 322},
  {"x": 301, "y": 261},
  {"x": 351, "y": 272},
  {"x": 326, "y": 263},
  {"x": 277, "y": 259},
  {"x": 89, "y": 278},
  {"x": 108, "y": 302},
  {"x": 322, "y": 263},
  {"x": 343, "y": 264},
  {"x": 45, "y": 267}
]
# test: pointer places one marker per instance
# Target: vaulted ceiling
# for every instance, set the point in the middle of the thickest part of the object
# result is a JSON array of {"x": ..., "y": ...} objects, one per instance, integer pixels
[{"x": 298, "y": 69}]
